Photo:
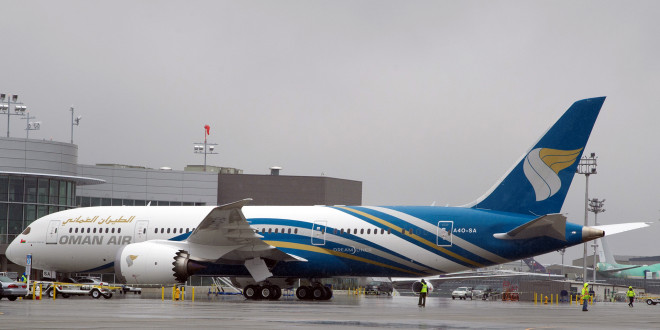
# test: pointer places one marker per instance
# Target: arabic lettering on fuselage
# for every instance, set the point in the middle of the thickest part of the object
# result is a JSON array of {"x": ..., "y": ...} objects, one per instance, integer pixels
[{"x": 108, "y": 220}]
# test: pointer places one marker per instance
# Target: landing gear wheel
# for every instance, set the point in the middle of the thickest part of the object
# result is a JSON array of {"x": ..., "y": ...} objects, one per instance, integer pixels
[
  {"x": 278, "y": 293},
  {"x": 328, "y": 293},
  {"x": 318, "y": 293},
  {"x": 304, "y": 293},
  {"x": 250, "y": 291},
  {"x": 267, "y": 291},
  {"x": 96, "y": 294}
]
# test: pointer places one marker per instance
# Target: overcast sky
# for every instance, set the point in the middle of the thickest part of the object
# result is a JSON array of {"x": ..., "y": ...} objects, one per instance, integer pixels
[{"x": 422, "y": 101}]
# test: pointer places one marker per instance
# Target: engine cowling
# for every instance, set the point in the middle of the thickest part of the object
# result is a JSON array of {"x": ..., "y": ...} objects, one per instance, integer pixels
[
  {"x": 417, "y": 286},
  {"x": 153, "y": 263}
]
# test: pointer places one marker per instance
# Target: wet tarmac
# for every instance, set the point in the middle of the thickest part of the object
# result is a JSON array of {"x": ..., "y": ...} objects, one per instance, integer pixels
[{"x": 342, "y": 312}]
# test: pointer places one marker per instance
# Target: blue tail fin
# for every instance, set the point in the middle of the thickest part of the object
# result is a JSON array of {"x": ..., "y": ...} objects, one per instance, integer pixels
[{"x": 538, "y": 184}]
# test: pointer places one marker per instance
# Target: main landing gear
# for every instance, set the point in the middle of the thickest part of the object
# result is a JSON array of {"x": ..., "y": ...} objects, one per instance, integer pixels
[
  {"x": 274, "y": 292},
  {"x": 267, "y": 291},
  {"x": 314, "y": 292}
]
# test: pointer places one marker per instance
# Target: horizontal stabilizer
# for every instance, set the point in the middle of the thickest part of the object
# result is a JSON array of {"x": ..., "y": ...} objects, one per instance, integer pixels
[
  {"x": 551, "y": 225},
  {"x": 621, "y": 227}
]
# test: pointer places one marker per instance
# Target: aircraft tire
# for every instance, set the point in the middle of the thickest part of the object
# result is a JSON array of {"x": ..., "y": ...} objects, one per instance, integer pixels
[
  {"x": 318, "y": 292},
  {"x": 278, "y": 292},
  {"x": 250, "y": 292},
  {"x": 328, "y": 293},
  {"x": 304, "y": 293},
  {"x": 267, "y": 291}
]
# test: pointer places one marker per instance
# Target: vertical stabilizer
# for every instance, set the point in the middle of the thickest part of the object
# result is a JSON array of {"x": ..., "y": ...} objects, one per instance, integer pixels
[{"x": 538, "y": 183}]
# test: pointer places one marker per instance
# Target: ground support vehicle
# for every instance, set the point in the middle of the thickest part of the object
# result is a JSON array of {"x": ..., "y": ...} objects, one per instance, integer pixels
[
  {"x": 66, "y": 290},
  {"x": 652, "y": 300},
  {"x": 377, "y": 288}
]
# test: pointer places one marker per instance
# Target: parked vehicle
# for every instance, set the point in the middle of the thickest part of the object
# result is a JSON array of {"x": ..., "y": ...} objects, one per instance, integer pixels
[
  {"x": 463, "y": 292},
  {"x": 12, "y": 289},
  {"x": 378, "y": 287},
  {"x": 482, "y": 291}
]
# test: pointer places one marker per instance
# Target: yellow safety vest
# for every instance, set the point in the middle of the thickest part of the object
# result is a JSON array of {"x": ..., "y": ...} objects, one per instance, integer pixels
[
  {"x": 631, "y": 293},
  {"x": 424, "y": 288},
  {"x": 585, "y": 293}
]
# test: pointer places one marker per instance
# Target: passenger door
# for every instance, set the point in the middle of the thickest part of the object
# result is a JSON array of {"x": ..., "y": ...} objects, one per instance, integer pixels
[
  {"x": 318, "y": 232},
  {"x": 444, "y": 233},
  {"x": 51, "y": 233},
  {"x": 141, "y": 230}
]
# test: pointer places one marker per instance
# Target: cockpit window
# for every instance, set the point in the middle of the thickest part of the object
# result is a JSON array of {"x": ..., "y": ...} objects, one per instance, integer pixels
[{"x": 26, "y": 231}]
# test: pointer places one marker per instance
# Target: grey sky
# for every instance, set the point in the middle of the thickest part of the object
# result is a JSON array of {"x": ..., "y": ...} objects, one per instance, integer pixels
[{"x": 423, "y": 101}]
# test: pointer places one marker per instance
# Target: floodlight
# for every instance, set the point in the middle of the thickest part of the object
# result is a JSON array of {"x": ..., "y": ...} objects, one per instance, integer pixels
[
  {"x": 2, "y": 97},
  {"x": 14, "y": 97}
]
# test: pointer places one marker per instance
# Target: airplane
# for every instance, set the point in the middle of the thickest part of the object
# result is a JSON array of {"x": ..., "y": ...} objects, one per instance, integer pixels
[
  {"x": 267, "y": 248},
  {"x": 609, "y": 268}
]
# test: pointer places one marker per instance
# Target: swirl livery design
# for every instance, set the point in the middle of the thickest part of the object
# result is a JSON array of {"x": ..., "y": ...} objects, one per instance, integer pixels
[{"x": 542, "y": 166}]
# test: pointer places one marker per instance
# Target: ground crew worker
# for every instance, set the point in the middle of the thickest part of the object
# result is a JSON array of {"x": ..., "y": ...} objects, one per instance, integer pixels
[
  {"x": 585, "y": 297},
  {"x": 631, "y": 296},
  {"x": 422, "y": 294},
  {"x": 24, "y": 278},
  {"x": 177, "y": 293}
]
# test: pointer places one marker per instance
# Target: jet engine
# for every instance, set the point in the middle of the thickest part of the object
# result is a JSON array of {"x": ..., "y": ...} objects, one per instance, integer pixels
[
  {"x": 154, "y": 263},
  {"x": 417, "y": 286}
]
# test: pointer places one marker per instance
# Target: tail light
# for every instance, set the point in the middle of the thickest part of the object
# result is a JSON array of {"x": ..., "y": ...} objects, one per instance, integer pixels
[
  {"x": 13, "y": 286},
  {"x": 24, "y": 286}
]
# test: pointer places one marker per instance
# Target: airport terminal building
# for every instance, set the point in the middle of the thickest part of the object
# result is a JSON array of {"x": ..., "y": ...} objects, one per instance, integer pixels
[{"x": 39, "y": 177}]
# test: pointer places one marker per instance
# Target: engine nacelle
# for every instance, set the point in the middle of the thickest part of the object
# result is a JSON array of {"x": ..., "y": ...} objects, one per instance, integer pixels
[
  {"x": 417, "y": 286},
  {"x": 153, "y": 263}
]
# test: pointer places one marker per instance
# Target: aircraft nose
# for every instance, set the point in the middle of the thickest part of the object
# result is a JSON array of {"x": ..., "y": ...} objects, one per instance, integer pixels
[{"x": 12, "y": 252}]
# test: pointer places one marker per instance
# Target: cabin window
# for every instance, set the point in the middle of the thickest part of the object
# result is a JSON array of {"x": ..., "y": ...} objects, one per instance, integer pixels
[
  {"x": 89, "y": 230},
  {"x": 263, "y": 230},
  {"x": 168, "y": 230},
  {"x": 118, "y": 230},
  {"x": 162, "y": 230},
  {"x": 389, "y": 231},
  {"x": 76, "y": 230},
  {"x": 275, "y": 230},
  {"x": 403, "y": 231},
  {"x": 369, "y": 231},
  {"x": 70, "y": 230},
  {"x": 341, "y": 232},
  {"x": 155, "y": 230},
  {"x": 361, "y": 230},
  {"x": 382, "y": 231},
  {"x": 289, "y": 231},
  {"x": 94, "y": 231},
  {"x": 187, "y": 230},
  {"x": 270, "y": 230},
  {"x": 112, "y": 231},
  {"x": 296, "y": 231}
]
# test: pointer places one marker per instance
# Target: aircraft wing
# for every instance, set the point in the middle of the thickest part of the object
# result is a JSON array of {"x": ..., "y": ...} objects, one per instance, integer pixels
[
  {"x": 225, "y": 236},
  {"x": 614, "y": 270}
]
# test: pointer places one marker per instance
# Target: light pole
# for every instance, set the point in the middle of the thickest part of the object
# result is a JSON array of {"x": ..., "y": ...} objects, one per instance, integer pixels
[
  {"x": 586, "y": 166},
  {"x": 31, "y": 126},
  {"x": 5, "y": 107},
  {"x": 205, "y": 148},
  {"x": 74, "y": 122},
  {"x": 596, "y": 206}
]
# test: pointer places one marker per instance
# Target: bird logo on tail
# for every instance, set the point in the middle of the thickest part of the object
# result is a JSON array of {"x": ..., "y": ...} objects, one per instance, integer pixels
[{"x": 542, "y": 167}]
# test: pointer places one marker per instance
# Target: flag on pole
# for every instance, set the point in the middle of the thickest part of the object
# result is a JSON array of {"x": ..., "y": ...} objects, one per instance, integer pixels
[{"x": 208, "y": 129}]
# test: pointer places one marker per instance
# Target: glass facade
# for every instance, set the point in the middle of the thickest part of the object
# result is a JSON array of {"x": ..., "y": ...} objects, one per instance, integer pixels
[
  {"x": 85, "y": 201},
  {"x": 24, "y": 199}
]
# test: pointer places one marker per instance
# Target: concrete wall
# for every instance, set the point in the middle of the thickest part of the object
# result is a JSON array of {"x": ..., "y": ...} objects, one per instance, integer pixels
[{"x": 288, "y": 190}]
